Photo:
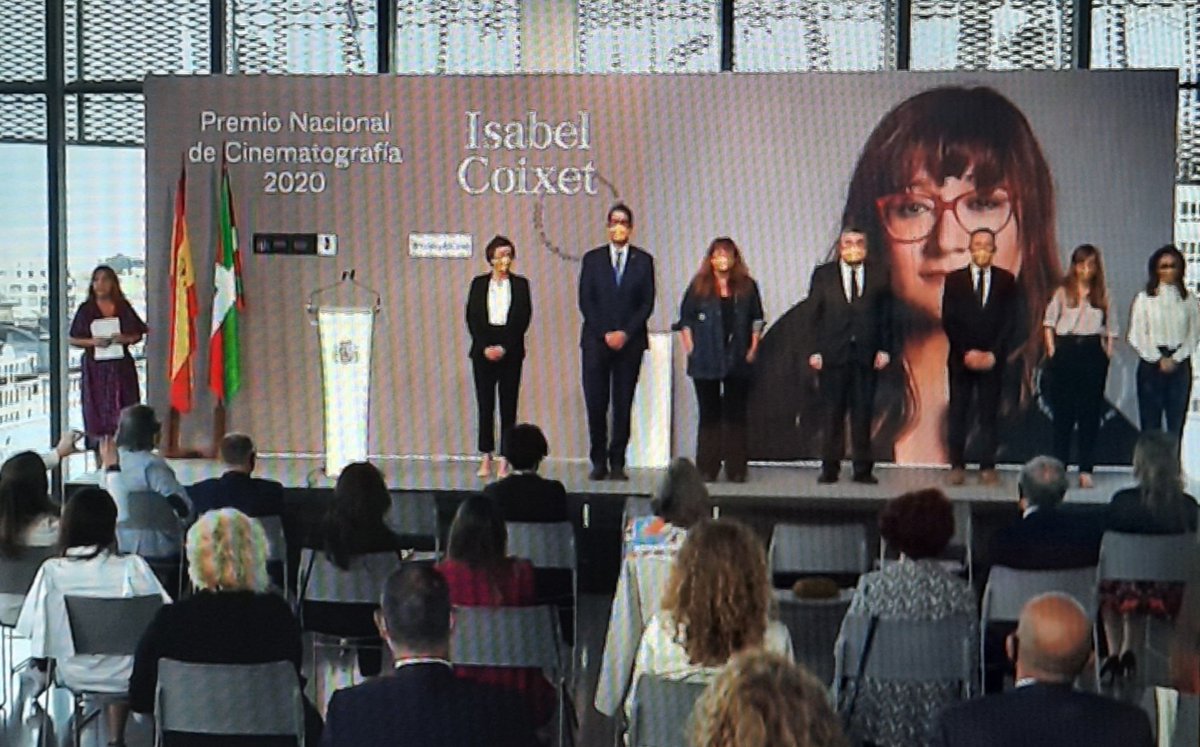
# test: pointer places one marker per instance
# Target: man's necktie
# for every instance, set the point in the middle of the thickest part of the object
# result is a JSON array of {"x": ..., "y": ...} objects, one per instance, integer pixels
[
  {"x": 617, "y": 268},
  {"x": 979, "y": 289},
  {"x": 855, "y": 290}
]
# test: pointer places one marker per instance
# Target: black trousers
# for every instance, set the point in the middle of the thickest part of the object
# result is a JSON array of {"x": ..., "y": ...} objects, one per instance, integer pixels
[
  {"x": 1164, "y": 396},
  {"x": 503, "y": 375},
  {"x": 847, "y": 388},
  {"x": 722, "y": 432},
  {"x": 1080, "y": 368},
  {"x": 984, "y": 388},
  {"x": 609, "y": 375}
]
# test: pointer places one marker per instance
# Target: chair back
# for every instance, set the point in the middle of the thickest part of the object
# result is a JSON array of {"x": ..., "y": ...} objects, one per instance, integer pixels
[
  {"x": 813, "y": 625},
  {"x": 819, "y": 549},
  {"x": 662, "y": 710},
  {"x": 229, "y": 699},
  {"x": 1148, "y": 557},
  {"x": 17, "y": 574},
  {"x": 507, "y": 637},
  {"x": 414, "y": 514},
  {"x": 1008, "y": 589},
  {"x": 111, "y": 626},
  {"x": 276, "y": 541},
  {"x": 145, "y": 509},
  {"x": 322, "y": 581},
  {"x": 545, "y": 544},
  {"x": 907, "y": 650}
]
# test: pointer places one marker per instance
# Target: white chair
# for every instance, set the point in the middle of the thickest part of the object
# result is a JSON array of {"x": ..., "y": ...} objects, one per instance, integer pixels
[
  {"x": 16, "y": 576},
  {"x": 661, "y": 711},
  {"x": 228, "y": 700},
  {"x": 549, "y": 546},
  {"x": 819, "y": 549},
  {"x": 512, "y": 637},
  {"x": 103, "y": 626},
  {"x": 1008, "y": 589},
  {"x": 907, "y": 650},
  {"x": 415, "y": 515},
  {"x": 276, "y": 546},
  {"x": 147, "y": 511}
]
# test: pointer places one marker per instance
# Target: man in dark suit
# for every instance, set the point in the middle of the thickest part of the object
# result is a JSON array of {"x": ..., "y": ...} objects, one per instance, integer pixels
[
  {"x": 422, "y": 703},
  {"x": 237, "y": 488},
  {"x": 1050, "y": 648},
  {"x": 979, "y": 306},
  {"x": 616, "y": 296},
  {"x": 525, "y": 495},
  {"x": 851, "y": 307},
  {"x": 1046, "y": 537}
]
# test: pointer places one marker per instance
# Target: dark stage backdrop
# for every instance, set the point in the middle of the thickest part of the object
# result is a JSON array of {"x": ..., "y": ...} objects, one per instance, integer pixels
[{"x": 766, "y": 159}]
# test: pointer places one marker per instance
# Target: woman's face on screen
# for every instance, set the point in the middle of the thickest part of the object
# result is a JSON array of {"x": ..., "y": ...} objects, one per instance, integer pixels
[{"x": 927, "y": 229}]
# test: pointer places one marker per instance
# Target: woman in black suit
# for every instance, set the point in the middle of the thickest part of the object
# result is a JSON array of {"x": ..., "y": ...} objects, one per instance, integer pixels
[{"x": 498, "y": 313}]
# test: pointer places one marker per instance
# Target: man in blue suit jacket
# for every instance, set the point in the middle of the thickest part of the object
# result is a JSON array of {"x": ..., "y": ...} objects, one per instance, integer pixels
[
  {"x": 421, "y": 703},
  {"x": 1051, "y": 647},
  {"x": 237, "y": 488},
  {"x": 616, "y": 296}
]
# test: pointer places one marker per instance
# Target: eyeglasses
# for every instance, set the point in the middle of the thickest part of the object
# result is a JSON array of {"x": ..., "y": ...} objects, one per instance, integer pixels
[
  {"x": 1167, "y": 266},
  {"x": 618, "y": 222},
  {"x": 913, "y": 216}
]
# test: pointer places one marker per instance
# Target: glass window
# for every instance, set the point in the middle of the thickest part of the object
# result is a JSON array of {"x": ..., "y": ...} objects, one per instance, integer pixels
[
  {"x": 129, "y": 39},
  {"x": 649, "y": 36},
  {"x": 802, "y": 35},
  {"x": 1145, "y": 34},
  {"x": 301, "y": 36},
  {"x": 991, "y": 35},
  {"x": 23, "y": 41},
  {"x": 445, "y": 36},
  {"x": 105, "y": 118},
  {"x": 24, "y": 308}
]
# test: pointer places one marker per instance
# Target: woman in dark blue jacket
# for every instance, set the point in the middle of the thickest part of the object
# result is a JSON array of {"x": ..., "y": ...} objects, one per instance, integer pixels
[{"x": 721, "y": 319}]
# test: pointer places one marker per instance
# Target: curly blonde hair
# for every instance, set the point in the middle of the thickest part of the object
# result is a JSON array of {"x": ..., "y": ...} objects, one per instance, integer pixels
[
  {"x": 719, "y": 593},
  {"x": 763, "y": 700},
  {"x": 227, "y": 551}
]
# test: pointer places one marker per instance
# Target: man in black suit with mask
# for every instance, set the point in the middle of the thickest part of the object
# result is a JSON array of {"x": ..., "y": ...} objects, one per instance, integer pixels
[
  {"x": 616, "y": 296},
  {"x": 979, "y": 307},
  {"x": 851, "y": 312}
]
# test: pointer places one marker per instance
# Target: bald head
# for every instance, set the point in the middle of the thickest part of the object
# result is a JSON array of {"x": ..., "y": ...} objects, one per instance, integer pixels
[{"x": 1054, "y": 637}]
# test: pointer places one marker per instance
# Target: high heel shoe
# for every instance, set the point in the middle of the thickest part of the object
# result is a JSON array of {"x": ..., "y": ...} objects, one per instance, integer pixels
[
  {"x": 1128, "y": 664},
  {"x": 1111, "y": 670},
  {"x": 485, "y": 467}
]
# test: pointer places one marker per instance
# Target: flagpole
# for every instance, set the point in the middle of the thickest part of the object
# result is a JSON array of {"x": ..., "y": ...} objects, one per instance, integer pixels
[{"x": 218, "y": 427}]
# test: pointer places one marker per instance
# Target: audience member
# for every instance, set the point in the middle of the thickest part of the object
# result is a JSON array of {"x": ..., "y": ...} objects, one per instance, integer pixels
[
  {"x": 237, "y": 487},
  {"x": 231, "y": 619},
  {"x": 131, "y": 465},
  {"x": 89, "y": 566},
  {"x": 1051, "y": 647},
  {"x": 717, "y": 604},
  {"x": 1046, "y": 537},
  {"x": 651, "y": 544},
  {"x": 916, "y": 587},
  {"x": 761, "y": 699},
  {"x": 480, "y": 574},
  {"x": 525, "y": 495},
  {"x": 1185, "y": 642},
  {"x": 1158, "y": 505},
  {"x": 354, "y": 525},
  {"x": 422, "y": 704}
]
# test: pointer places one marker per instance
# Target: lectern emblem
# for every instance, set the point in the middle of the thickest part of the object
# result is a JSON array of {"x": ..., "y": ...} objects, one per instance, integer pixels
[{"x": 347, "y": 352}]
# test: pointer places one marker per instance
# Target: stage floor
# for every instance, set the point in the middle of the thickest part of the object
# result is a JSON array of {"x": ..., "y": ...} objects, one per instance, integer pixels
[{"x": 774, "y": 481}]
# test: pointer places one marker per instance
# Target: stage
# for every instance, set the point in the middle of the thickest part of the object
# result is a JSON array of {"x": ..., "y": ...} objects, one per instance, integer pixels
[{"x": 777, "y": 481}]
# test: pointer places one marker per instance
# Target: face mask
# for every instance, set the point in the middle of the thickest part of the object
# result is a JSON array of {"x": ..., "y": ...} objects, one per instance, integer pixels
[
  {"x": 722, "y": 263},
  {"x": 502, "y": 263},
  {"x": 619, "y": 233}
]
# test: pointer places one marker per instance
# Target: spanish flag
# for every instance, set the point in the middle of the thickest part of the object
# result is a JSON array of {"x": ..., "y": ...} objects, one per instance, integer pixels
[{"x": 183, "y": 303}]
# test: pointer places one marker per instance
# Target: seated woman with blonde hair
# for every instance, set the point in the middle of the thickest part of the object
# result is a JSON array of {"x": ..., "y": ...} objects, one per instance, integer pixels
[
  {"x": 233, "y": 618},
  {"x": 761, "y": 699},
  {"x": 717, "y": 604}
]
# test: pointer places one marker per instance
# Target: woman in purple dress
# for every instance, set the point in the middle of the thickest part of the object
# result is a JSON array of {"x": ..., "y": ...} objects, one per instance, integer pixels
[{"x": 107, "y": 385}]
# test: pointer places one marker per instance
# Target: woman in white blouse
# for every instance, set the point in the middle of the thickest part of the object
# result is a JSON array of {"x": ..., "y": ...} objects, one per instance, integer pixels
[
  {"x": 498, "y": 312},
  {"x": 89, "y": 566},
  {"x": 1079, "y": 332},
  {"x": 717, "y": 604},
  {"x": 1164, "y": 329}
]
